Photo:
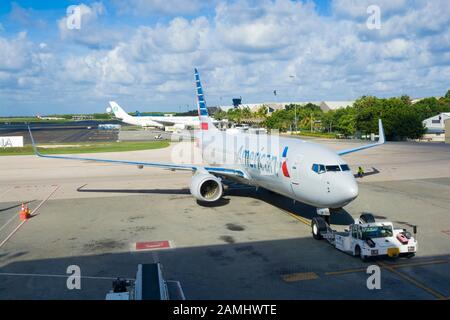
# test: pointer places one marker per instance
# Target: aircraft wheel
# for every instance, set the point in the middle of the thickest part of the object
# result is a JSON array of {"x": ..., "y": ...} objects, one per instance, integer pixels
[
  {"x": 318, "y": 225},
  {"x": 359, "y": 254}
]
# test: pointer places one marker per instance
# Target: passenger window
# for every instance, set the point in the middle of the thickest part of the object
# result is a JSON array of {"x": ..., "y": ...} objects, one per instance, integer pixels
[{"x": 345, "y": 167}]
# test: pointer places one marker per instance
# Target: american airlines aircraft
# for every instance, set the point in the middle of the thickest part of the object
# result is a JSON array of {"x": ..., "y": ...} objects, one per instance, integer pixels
[
  {"x": 152, "y": 121},
  {"x": 301, "y": 170}
]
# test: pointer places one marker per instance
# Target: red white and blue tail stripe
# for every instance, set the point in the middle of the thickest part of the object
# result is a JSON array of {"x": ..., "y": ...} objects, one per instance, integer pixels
[{"x": 205, "y": 120}]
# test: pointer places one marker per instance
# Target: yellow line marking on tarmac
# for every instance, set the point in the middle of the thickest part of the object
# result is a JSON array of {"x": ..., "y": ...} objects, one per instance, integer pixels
[
  {"x": 394, "y": 266},
  {"x": 301, "y": 219},
  {"x": 301, "y": 276},
  {"x": 337, "y": 273},
  {"x": 417, "y": 264},
  {"x": 312, "y": 276},
  {"x": 414, "y": 282}
]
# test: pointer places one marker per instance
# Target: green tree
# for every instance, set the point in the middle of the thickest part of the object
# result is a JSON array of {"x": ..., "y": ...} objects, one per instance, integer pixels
[
  {"x": 447, "y": 95},
  {"x": 345, "y": 121},
  {"x": 280, "y": 119},
  {"x": 220, "y": 115},
  {"x": 401, "y": 120},
  {"x": 406, "y": 100},
  {"x": 261, "y": 113}
]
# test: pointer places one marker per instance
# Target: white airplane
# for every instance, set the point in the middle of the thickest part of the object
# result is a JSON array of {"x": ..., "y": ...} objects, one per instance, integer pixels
[
  {"x": 48, "y": 118},
  {"x": 152, "y": 121},
  {"x": 301, "y": 170}
]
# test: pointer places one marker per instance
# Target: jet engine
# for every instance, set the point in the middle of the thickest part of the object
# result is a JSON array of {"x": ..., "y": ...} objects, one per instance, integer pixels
[{"x": 206, "y": 187}]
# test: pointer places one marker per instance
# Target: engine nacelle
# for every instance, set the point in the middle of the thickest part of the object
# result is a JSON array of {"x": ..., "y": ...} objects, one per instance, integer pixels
[{"x": 206, "y": 187}]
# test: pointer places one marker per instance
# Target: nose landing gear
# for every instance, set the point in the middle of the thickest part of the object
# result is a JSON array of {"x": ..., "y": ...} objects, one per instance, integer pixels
[
  {"x": 319, "y": 225},
  {"x": 324, "y": 213}
]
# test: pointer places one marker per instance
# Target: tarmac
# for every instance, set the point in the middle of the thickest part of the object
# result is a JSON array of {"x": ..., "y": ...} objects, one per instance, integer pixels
[{"x": 251, "y": 245}]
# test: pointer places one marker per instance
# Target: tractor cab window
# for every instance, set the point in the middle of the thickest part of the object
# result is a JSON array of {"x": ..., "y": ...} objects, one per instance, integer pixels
[
  {"x": 354, "y": 231},
  {"x": 359, "y": 231},
  {"x": 377, "y": 232},
  {"x": 318, "y": 168}
]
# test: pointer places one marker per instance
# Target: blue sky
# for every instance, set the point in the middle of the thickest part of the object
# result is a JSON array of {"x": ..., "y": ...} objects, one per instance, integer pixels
[{"x": 141, "y": 53}]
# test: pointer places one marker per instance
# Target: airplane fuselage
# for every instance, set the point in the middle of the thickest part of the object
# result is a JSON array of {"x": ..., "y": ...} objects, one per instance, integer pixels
[{"x": 301, "y": 170}]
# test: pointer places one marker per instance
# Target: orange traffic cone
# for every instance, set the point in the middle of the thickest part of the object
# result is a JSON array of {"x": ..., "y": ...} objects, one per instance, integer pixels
[
  {"x": 24, "y": 213},
  {"x": 27, "y": 212}
]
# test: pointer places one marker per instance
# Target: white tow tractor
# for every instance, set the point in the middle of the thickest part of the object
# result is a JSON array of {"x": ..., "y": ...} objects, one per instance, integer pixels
[{"x": 368, "y": 238}]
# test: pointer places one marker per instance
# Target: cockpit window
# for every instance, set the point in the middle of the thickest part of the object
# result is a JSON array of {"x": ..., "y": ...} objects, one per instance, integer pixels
[{"x": 318, "y": 168}]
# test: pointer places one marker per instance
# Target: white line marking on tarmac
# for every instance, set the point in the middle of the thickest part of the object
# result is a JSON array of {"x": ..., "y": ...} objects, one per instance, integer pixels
[
  {"x": 3, "y": 193},
  {"x": 33, "y": 213},
  {"x": 10, "y": 274},
  {"x": 8, "y": 222}
]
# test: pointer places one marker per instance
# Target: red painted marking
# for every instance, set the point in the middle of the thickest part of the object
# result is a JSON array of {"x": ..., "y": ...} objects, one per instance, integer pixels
[
  {"x": 285, "y": 169},
  {"x": 204, "y": 126},
  {"x": 152, "y": 245}
]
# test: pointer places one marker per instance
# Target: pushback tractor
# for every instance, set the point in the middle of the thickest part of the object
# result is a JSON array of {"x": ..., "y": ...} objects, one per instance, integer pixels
[{"x": 367, "y": 238}]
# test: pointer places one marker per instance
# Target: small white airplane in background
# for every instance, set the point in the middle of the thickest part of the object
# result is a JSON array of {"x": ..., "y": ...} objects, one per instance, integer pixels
[
  {"x": 48, "y": 118},
  {"x": 152, "y": 121},
  {"x": 300, "y": 170}
]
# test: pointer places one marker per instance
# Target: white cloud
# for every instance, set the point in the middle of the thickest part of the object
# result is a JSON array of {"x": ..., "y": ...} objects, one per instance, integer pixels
[
  {"x": 243, "y": 50},
  {"x": 271, "y": 26},
  {"x": 93, "y": 32},
  {"x": 15, "y": 54}
]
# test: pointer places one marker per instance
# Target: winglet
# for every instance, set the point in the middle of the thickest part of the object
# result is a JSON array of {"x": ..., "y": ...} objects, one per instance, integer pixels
[
  {"x": 381, "y": 140},
  {"x": 33, "y": 144}
]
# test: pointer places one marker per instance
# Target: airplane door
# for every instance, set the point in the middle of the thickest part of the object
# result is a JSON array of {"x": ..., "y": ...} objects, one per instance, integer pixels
[{"x": 296, "y": 172}]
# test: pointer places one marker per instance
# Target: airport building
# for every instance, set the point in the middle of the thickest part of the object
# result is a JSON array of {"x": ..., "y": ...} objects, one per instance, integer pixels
[{"x": 436, "y": 127}]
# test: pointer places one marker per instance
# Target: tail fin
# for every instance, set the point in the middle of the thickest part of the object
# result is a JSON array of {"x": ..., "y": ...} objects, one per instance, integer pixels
[
  {"x": 206, "y": 123},
  {"x": 118, "y": 111}
]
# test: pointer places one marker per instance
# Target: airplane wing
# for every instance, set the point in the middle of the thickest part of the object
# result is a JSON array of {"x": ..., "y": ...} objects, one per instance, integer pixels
[
  {"x": 229, "y": 172},
  {"x": 381, "y": 141}
]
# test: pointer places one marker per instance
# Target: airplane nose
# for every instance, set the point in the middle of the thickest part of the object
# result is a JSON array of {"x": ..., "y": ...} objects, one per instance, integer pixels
[{"x": 350, "y": 191}]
